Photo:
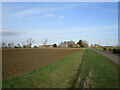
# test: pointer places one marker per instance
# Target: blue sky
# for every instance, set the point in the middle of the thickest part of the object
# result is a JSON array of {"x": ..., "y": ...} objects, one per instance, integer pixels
[{"x": 60, "y": 21}]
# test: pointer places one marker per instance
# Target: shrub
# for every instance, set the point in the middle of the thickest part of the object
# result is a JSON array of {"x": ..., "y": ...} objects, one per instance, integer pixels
[
  {"x": 35, "y": 46},
  {"x": 110, "y": 49},
  {"x": 116, "y": 51},
  {"x": 15, "y": 47},
  {"x": 104, "y": 48},
  {"x": 54, "y": 45}
]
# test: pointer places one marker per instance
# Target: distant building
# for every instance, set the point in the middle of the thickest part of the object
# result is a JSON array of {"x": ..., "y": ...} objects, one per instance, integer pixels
[
  {"x": 45, "y": 46},
  {"x": 49, "y": 46},
  {"x": 76, "y": 45},
  {"x": 96, "y": 45}
]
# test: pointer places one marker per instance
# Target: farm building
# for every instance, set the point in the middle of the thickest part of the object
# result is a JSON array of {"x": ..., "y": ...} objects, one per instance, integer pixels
[
  {"x": 76, "y": 45},
  {"x": 45, "y": 46},
  {"x": 96, "y": 45}
]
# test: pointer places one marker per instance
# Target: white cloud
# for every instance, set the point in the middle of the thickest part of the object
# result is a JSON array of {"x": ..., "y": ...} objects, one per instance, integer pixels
[
  {"x": 28, "y": 12},
  {"x": 24, "y": 13},
  {"x": 9, "y": 33},
  {"x": 49, "y": 15},
  {"x": 32, "y": 11},
  {"x": 61, "y": 17}
]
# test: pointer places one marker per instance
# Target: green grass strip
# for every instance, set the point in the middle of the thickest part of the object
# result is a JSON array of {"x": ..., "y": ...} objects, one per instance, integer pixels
[
  {"x": 97, "y": 71},
  {"x": 60, "y": 74}
]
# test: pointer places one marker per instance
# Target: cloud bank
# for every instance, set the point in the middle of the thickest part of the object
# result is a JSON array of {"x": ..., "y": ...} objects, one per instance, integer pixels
[{"x": 9, "y": 33}]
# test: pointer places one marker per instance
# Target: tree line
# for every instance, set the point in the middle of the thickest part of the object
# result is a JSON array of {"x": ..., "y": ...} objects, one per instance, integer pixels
[{"x": 28, "y": 44}]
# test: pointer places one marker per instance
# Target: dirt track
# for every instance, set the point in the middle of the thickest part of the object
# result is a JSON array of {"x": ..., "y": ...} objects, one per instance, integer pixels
[
  {"x": 114, "y": 58},
  {"x": 19, "y": 61}
]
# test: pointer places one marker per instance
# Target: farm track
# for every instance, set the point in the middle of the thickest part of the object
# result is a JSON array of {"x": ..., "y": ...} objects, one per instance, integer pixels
[
  {"x": 114, "y": 58},
  {"x": 20, "y": 61}
]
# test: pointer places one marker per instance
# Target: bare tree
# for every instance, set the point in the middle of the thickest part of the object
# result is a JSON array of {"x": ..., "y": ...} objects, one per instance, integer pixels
[
  {"x": 45, "y": 42},
  {"x": 63, "y": 44},
  {"x": 67, "y": 44},
  {"x": 70, "y": 43},
  {"x": 30, "y": 42}
]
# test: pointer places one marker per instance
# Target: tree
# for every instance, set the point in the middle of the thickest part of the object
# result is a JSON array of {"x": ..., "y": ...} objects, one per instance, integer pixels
[
  {"x": 11, "y": 45},
  {"x": 45, "y": 42},
  {"x": 55, "y": 45},
  {"x": 4, "y": 45},
  {"x": 26, "y": 46},
  {"x": 23, "y": 44},
  {"x": 67, "y": 44},
  {"x": 18, "y": 45},
  {"x": 62, "y": 44},
  {"x": 70, "y": 43},
  {"x": 35, "y": 46},
  {"x": 15, "y": 46},
  {"x": 29, "y": 42},
  {"x": 80, "y": 43},
  {"x": 85, "y": 43}
]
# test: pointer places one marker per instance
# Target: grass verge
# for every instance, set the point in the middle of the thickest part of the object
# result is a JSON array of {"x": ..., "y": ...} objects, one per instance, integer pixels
[
  {"x": 60, "y": 74},
  {"x": 97, "y": 71},
  {"x": 111, "y": 52}
]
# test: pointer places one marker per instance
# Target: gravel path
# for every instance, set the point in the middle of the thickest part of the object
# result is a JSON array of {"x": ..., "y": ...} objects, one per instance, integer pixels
[{"x": 114, "y": 58}]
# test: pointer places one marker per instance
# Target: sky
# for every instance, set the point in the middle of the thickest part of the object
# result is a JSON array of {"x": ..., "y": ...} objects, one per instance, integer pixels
[{"x": 60, "y": 21}]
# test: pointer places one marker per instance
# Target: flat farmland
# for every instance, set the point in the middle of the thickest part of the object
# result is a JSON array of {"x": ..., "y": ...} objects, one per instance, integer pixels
[{"x": 20, "y": 61}]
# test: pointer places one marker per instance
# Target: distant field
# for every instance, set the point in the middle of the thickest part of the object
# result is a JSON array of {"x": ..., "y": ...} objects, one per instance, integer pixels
[{"x": 19, "y": 61}]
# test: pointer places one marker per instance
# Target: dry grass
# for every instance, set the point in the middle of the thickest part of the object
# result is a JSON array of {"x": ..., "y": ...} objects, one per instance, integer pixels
[{"x": 88, "y": 83}]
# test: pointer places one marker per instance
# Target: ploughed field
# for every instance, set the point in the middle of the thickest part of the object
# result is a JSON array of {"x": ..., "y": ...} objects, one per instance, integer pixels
[{"x": 19, "y": 61}]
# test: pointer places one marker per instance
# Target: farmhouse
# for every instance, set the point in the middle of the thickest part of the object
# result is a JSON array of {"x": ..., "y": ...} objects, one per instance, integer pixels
[
  {"x": 96, "y": 45},
  {"x": 76, "y": 45},
  {"x": 45, "y": 46}
]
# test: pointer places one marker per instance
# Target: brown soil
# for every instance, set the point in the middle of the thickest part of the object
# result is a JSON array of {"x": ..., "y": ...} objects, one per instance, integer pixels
[{"x": 19, "y": 61}]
